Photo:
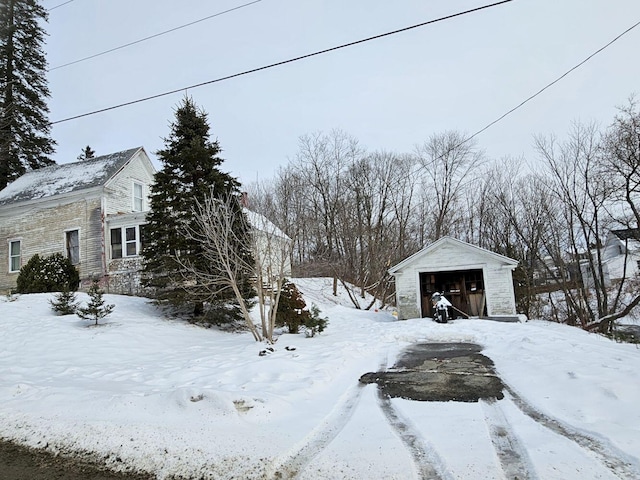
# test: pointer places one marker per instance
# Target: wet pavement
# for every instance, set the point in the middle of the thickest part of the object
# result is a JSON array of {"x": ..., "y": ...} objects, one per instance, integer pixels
[{"x": 440, "y": 372}]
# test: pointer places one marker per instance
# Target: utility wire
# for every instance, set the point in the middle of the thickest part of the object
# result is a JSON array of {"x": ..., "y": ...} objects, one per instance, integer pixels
[
  {"x": 283, "y": 62},
  {"x": 53, "y": 8},
  {"x": 501, "y": 117},
  {"x": 552, "y": 83},
  {"x": 150, "y": 36}
]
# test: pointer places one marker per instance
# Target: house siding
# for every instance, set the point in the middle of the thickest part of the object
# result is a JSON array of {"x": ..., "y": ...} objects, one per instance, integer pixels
[
  {"x": 119, "y": 191},
  {"x": 122, "y": 275},
  {"x": 42, "y": 230}
]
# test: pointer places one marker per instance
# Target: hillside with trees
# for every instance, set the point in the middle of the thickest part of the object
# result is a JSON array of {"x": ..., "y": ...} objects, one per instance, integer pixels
[{"x": 353, "y": 213}]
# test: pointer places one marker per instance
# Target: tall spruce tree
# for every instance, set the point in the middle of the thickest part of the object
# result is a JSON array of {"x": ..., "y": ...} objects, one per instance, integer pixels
[
  {"x": 25, "y": 141},
  {"x": 190, "y": 172}
]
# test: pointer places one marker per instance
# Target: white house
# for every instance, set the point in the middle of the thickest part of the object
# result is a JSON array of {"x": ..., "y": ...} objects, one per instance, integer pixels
[
  {"x": 622, "y": 253},
  {"x": 272, "y": 247},
  {"x": 92, "y": 211},
  {"x": 476, "y": 281}
]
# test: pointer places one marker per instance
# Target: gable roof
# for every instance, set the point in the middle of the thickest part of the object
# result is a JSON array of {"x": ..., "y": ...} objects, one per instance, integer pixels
[
  {"x": 262, "y": 224},
  {"x": 66, "y": 178},
  {"x": 627, "y": 234},
  {"x": 458, "y": 243}
]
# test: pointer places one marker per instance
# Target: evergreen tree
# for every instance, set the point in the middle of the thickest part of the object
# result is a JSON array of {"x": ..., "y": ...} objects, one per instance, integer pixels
[
  {"x": 25, "y": 141},
  {"x": 53, "y": 273},
  {"x": 64, "y": 302},
  {"x": 190, "y": 172},
  {"x": 96, "y": 308},
  {"x": 87, "y": 153},
  {"x": 291, "y": 308}
]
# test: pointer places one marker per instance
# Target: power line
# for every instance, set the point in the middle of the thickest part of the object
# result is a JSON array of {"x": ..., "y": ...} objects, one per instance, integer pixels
[
  {"x": 60, "y": 5},
  {"x": 283, "y": 62},
  {"x": 501, "y": 117},
  {"x": 552, "y": 83},
  {"x": 150, "y": 36}
]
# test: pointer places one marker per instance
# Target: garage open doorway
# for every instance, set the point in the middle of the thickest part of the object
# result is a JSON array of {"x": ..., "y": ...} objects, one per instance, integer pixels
[{"x": 464, "y": 289}]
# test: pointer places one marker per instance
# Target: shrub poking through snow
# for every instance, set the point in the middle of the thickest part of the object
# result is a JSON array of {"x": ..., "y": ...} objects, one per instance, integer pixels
[
  {"x": 47, "y": 274},
  {"x": 314, "y": 323},
  {"x": 65, "y": 302},
  {"x": 291, "y": 307},
  {"x": 292, "y": 312},
  {"x": 96, "y": 308}
]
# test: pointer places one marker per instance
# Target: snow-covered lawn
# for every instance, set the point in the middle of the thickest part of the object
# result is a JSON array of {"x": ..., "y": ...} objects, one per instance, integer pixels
[{"x": 151, "y": 393}]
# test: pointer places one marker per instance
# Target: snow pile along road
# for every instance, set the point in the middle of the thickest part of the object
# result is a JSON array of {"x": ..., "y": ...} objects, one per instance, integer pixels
[{"x": 160, "y": 395}]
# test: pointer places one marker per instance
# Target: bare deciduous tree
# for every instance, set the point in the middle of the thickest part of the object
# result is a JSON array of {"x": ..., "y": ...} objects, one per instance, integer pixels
[
  {"x": 449, "y": 162},
  {"x": 576, "y": 178},
  {"x": 213, "y": 228},
  {"x": 268, "y": 264}
]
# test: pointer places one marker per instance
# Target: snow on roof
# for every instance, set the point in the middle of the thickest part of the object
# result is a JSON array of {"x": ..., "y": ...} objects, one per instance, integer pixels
[
  {"x": 262, "y": 224},
  {"x": 69, "y": 177}
]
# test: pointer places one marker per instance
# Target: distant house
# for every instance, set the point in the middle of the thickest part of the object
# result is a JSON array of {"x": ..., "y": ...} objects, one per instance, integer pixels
[
  {"x": 273, "y": 247},
  {"x": 92, "y": 211},
  {"x": 621, "y": 253},
  {"x": 476, "y": 281}
]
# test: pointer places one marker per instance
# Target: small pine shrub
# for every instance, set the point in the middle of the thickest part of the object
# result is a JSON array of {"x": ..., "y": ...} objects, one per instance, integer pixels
[
  {"x": 293, "y": 313},
  {"x": 314, "y": 323},
  {"x": 96, "y": 308},
  {"x": 64, "y": 303},
  {"x": 54, "y": 273},
  {"x": 291, "y": 308}
]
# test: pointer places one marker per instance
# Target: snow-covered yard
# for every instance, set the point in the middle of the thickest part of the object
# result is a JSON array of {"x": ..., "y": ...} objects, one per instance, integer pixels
[{"x": 151, "y": 393}]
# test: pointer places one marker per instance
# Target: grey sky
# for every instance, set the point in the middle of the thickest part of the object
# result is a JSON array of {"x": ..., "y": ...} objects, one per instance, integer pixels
[{"x": 390, "y": 93}]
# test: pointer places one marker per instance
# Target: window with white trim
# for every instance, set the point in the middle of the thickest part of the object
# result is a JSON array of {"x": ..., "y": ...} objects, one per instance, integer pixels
[
  {"x": 15, "y": 255},
  {"x": 72, "y": 241},
  {"x": 125, "y": 241},
  {"x": 138, "y": 197}
]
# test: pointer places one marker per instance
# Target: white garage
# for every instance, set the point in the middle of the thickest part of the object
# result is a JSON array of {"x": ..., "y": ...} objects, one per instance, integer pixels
[{"x": 476, "y": 281}]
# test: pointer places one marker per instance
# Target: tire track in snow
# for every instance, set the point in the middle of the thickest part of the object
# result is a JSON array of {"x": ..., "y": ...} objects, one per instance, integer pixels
[
  {"x": 619, "y": 462},
  {"x": 427, "y": 462},
  {"x": 293, "y": 463},
  {"x": 511, "y": 453}
]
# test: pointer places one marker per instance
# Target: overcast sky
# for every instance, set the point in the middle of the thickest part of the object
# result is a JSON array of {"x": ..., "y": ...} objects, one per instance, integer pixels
[{"x": 390, "y": 93}]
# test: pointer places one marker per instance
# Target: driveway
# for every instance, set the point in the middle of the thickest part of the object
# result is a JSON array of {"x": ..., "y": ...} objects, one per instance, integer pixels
[{"x": 440, "y": 372}]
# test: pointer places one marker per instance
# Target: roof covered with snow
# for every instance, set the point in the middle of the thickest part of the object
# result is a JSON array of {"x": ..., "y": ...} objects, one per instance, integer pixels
[
  {"x": 66, "y": 178},
  {"x": 262, "y": 224}
]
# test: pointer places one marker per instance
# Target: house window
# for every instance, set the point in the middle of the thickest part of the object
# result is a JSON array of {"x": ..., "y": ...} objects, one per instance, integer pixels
[
  {"x": 116, "y": 243},
  {"x": 125, "y": 241},
  {"x": 73, "y": 246},
  {"x": 138, "y": 199},
  {"x": 15, "y": 255},
  {"x": 131, "y": 241}
]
